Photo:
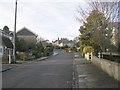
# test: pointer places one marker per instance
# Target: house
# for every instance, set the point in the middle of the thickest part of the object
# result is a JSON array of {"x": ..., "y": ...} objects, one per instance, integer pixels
[
  {"x": 70, "y": 43},
  {"x": 63, "y": 42},
  {"x": 115, "y": 33},
  {"x": 6, "y": 46},
  {"x": 56, "y": 42},
  {"x": 27, "y": 35},
  {"x": 45, "y": 43},
  {"x": 114, "y": 38},
  {"x": 1, "y": 47}
]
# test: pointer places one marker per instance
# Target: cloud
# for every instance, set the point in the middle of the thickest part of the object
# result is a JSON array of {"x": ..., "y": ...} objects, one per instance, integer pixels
[
  {"x": 48, "y": 19},
  {"x": 44, "y": 1}
]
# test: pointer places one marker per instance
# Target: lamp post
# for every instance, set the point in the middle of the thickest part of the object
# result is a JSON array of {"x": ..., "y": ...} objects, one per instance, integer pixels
[{"x": 14, "y": 38}]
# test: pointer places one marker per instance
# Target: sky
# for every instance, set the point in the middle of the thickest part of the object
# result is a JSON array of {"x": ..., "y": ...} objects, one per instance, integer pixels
[{"x": 49, "y": 19}]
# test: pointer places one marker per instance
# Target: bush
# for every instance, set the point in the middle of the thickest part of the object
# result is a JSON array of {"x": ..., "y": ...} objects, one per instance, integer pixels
[
  {"x": 23, "y": 55},
  {"x": 46, "y": 52},
  {"x": 88, "y": 49},
  {"x": 73, "y": 49}
]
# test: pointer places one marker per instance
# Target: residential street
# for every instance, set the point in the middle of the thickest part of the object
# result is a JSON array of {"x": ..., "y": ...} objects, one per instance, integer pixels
[
  {"x": 54, "y": 72},
  {"x": 59, "y": 44}
]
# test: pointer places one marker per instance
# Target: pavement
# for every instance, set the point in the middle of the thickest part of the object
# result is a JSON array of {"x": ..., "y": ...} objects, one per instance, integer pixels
[
  {"x": 87, "y": 75},
  {"x": 54, "y": 72},
  {"x": 6, "y": 67}
]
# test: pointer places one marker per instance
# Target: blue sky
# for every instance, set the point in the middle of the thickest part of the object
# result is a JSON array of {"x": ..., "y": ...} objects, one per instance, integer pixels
[{"x": 49, "y": 19}]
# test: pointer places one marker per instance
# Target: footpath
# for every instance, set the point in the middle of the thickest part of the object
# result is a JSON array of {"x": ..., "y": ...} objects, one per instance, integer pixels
[
  {"x": 6, "y": 67},
  {"x": 87, "y": 75}
]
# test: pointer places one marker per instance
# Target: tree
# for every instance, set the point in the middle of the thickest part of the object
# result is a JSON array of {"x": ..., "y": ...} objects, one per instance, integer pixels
[
  {"x": 88, "y": 49},
  {"x": 21, "y": 45},
  {"x": 94, "y": 32},
  {"x": 48, "y": 50},
  {"x": 39, "y": 49},
  {"x": 109, "y": 9},
  {"x": 73, "y": 49},
  {"x": 96, "y": 29},
  {"x": 6, "y": 29}
]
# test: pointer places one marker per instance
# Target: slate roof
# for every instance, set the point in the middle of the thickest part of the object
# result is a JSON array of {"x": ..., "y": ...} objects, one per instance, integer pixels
[
  {"x": 26, "y": 31},
  {"x": 7, "y": 42}
]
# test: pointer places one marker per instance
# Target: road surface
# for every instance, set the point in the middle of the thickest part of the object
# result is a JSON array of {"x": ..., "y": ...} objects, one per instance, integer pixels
[{"x": 54, "y": 72}]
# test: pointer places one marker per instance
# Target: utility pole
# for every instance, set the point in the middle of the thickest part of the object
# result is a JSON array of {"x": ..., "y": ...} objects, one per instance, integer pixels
[{"x": 14, "y": 38}]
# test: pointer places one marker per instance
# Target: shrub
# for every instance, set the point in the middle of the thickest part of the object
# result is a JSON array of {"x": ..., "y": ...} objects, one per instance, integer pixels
[
  {"x": 23, "y": 55},
  {"x": 88, "y": 49}
]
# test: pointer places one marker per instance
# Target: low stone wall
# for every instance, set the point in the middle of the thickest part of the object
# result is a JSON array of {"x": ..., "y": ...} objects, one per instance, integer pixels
[{"x": 110, "y": 67}]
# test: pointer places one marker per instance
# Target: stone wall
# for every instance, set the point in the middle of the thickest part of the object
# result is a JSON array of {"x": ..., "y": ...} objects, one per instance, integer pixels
[{"x": 110, "y": 67}]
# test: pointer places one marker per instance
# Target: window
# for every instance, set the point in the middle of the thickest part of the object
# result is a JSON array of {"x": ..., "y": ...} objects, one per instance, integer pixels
[
  {"x": 0, "y": 50},
  {"x": 4, "y": 51}
]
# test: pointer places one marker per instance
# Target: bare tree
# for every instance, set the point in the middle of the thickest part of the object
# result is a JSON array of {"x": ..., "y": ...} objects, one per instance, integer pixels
[{"x": 109, "y": 9}]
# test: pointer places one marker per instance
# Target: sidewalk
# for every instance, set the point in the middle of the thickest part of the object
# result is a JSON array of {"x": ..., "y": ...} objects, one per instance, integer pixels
[
  {"x": 6, "y": 67},
  {"x": 87, "y": 75}
]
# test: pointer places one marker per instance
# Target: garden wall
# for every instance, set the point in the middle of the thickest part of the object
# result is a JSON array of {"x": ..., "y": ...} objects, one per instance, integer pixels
[{"x": 110, "y": 67}]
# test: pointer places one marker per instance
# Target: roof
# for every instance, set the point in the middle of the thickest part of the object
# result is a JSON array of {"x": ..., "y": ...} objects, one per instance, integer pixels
[
  {"x": 7, "y": 42},
  {"x": 27, "y": 32},
  {"x": 44, "y": 43}
]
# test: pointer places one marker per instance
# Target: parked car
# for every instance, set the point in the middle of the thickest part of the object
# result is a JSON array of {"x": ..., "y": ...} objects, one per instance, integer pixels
[{"x": 76, "y": 55}]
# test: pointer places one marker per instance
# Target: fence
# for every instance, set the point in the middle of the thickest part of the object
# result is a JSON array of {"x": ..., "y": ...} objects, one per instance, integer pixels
[{"x": 111, "y": 56}]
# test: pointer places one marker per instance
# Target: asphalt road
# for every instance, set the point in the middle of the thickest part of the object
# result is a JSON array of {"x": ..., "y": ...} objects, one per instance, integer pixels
[{"x": 54, "y": 72}]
